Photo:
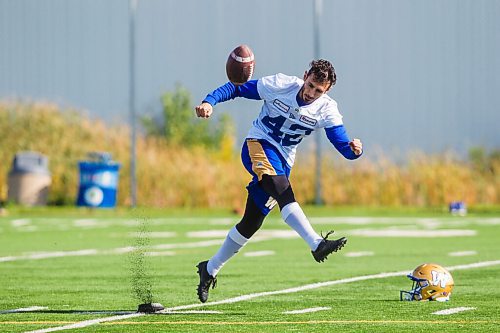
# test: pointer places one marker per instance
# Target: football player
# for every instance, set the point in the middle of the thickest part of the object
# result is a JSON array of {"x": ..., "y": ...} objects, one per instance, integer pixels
[{"x": 293, "y": 108}]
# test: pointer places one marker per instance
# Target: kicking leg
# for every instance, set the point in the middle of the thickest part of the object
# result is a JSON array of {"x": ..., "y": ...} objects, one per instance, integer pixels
[{"x": 279, "y": 188}]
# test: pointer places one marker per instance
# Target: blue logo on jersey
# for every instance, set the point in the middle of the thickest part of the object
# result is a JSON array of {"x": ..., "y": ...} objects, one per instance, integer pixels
[
  {"x": 307, "y": 120},
  {"x": 280, "y": 105}
]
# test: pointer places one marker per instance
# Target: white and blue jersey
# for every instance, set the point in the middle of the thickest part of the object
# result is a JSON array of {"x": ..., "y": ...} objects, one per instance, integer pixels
[
  {"x": 283, "y": 122},
  {"x": 285, "y": 119}
]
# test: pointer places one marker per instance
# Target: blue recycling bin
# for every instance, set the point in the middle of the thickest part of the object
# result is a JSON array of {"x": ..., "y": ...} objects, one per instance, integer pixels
[{"x": 98, "y": 181}]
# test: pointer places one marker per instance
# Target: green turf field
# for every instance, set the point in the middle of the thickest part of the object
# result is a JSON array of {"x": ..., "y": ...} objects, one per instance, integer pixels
[{"x": 77, "y": 269}]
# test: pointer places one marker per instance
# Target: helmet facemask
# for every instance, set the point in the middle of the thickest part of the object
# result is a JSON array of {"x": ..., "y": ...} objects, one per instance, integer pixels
[
  {"x": 431, "y": 282},
  {"x": 415, "y": 294}
]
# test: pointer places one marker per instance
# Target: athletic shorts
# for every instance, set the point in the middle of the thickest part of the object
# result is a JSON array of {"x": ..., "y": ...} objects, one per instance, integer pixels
[{"x": 261, "y": 158}]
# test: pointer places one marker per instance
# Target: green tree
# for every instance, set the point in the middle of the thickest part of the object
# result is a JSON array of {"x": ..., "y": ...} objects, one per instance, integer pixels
[{"x": 179, "y": 125}]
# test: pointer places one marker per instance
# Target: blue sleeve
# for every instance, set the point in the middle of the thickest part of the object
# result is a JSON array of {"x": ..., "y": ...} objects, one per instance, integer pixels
[
  {"x": 338, "y": 137},
  {"x": 230, "y": 91}
]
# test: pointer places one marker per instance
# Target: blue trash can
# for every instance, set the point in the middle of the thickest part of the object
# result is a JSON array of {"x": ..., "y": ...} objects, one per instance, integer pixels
[{"x": 98, "y": 181}]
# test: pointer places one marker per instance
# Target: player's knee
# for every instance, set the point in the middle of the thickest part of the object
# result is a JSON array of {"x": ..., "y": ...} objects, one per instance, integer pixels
[
  {"x": 251, "y": 221},
  {"x": 247, "y": 227},
  {"x": 279, "y": 188},
  {"x": 274, "y": 185}
]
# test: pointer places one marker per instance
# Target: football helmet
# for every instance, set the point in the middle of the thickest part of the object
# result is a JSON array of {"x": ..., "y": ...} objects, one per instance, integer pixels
[{"x": 431, "y": 282}]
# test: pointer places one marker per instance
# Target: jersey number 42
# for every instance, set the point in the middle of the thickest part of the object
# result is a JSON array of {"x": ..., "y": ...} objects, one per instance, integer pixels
[{"x": 275, "y": 124}]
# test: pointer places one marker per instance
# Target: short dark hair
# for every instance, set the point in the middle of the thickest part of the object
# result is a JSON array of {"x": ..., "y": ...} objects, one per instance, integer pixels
[{"x": 323, "y": 71}]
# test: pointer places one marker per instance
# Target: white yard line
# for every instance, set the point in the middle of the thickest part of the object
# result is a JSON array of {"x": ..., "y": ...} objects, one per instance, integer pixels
[
  {"x": 29, "y": 309},
  {"x": 258, "y": 253},
  {"x": 87, "y": 323},
  {"x": 20, "y": 222},
  {"x": 261, "y": 294},
  {"x": 309, "y": 310},
  {"x": 265, "y": 236},
  {"x": 56, "y": 254},
  {"x": 191, "y": 245},
  {"x": 462, "y": 253},
  {"x": 452, "y": 311},
  {"x": 159, "y": 253},
  {"x": 120, "y": 250},
  {"x": 359, "y": 254},
  {"x": 398, "y": 232},
  {"x": 152, "y": 234},
  {"x": 194, "y": 311}
]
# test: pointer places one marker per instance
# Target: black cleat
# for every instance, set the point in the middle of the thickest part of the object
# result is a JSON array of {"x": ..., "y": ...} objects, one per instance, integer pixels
[
  {"x": 326, "y": 247},
  {"x": 206, "y": 280}
]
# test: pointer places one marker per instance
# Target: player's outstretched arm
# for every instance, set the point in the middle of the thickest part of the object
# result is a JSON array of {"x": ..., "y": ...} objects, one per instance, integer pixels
[
  {"x": 338, "y": 137},
  {"x": 224, "y": 93}
]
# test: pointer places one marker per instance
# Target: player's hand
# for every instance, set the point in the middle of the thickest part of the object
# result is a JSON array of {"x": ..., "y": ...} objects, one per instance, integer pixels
[
  {"x": 356, "y": 146},
  {"x": 204, "y": 110}
]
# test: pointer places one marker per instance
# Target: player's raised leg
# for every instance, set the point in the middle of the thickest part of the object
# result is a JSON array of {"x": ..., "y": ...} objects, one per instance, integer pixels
[{"x": 279, "y": 187}]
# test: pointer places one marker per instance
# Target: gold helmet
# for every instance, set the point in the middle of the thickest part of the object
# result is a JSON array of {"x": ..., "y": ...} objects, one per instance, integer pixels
[{"x": 431, "y": 282}]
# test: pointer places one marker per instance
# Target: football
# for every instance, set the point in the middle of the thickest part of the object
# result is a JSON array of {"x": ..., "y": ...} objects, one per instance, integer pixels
[{"x": 240, "y": 65}]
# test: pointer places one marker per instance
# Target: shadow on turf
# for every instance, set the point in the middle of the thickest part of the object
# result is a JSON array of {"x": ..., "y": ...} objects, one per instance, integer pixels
[
  {"x": 111, "y": 312},
  {"x": 99, "y": 312}
]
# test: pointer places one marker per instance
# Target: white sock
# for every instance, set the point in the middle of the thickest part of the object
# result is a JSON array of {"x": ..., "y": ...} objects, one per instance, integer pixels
[
  {"x": 295, "y": 218},
  {"x": 233, "y": 243}
]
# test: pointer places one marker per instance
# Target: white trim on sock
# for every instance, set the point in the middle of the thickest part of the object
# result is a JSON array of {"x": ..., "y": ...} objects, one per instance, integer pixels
[
  {"x": 288, "y": 209},
  {"x": 235, "y": 235}
]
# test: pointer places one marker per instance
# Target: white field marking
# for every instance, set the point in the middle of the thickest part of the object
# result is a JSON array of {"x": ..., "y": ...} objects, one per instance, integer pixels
[
  {"x": 194, "y": 311},
  {"x": 159, "y": 253},
  {"x": 207, "y": 233},
  {"x": 29, "y": 309},
  {"x": 462, "y": 253},
  {"x": 88, "y": 223},
  {"x": 490, "y": 221},
  {"x": 20, "y": 222},
  {"x": 426, "y": 222},
  {"x": 350, "y": 220},
  {"x": 131, "y": 223},
  {"x": 272, "y": 233},
  {"x": 86, "y": 323},
  {"x": 359, "y": 254},
  {"x": 191, "y": 245},
  {"x": 284, "y": 234},
  {"x": 326, "y": 284},
  {"x": 153, "y": 234},
  {"x": 45, "y": 255},
  {"x": 28, "y": 228},
  {"x": 222, "y": 221},
  {"x": 452, "y": 310},
  {"x": 258, "y": 253},
  {"x": 261, "y": 294},
  {"x": 393, "y": 232},
  {"x": 120, "y": 250},
  {"x": 322, "y": 308},
  {"x": 353, "y": 220}
]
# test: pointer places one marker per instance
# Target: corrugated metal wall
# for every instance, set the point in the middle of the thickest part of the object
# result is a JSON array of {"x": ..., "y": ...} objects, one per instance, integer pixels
[{"x": 411, "y": 74}]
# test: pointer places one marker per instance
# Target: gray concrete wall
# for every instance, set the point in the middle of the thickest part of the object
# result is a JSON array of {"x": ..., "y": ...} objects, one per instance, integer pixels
[{"x": 411, "y": 74}]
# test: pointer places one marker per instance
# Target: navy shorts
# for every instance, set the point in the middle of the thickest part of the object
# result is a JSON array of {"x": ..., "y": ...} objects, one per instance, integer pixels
[{"x": 261, "y": 158}]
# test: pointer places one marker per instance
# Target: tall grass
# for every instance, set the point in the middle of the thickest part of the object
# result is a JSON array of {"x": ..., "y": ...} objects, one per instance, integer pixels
[{"x": 175, "y": 176}]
